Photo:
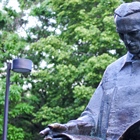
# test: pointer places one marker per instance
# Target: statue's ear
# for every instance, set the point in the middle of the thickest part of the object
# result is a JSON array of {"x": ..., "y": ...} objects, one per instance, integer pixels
[{"x": 132, "y": 133}]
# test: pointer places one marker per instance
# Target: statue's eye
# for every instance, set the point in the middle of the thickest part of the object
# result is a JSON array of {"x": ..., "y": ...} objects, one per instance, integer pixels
[{"x": 133, "y": 33}]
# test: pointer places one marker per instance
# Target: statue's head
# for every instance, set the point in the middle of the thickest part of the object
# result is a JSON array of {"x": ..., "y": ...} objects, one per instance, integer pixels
[{"x": 127, "y": 19}]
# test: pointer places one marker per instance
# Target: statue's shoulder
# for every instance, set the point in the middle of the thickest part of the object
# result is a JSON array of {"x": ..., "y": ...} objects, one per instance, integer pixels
[
  {"x": 114, "y": 67},
  {"x": 117, "y": 65}
]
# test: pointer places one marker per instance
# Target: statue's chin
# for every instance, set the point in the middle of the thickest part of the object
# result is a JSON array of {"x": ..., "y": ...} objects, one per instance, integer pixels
[{"x": 134, "y": 51}]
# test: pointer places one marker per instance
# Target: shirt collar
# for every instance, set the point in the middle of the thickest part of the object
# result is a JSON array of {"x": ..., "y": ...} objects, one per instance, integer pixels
[{"x": 127, "y": 59}]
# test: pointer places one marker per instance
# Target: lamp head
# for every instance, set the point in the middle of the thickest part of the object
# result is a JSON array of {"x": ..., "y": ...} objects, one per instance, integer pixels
[{"x": 21, "y": 65}]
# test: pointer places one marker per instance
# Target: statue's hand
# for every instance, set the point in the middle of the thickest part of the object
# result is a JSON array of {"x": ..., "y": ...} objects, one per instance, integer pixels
[
  {"x": 52, "y": 130},
  {"x": 57, "y": 127},
  {"x": 72, "y": 127}
]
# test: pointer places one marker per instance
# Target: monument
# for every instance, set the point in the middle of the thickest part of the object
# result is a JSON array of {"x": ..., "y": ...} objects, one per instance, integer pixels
[{"x": 113, "y": 112}]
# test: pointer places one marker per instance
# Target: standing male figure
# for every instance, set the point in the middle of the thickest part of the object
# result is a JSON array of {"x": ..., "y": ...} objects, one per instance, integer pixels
[{"x": 115, "y": 105}]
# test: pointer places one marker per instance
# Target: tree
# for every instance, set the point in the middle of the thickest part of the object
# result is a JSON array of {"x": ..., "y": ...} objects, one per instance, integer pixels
[
  {"x": 75, "y": 57},
  {"x": 70, "y": 49},
  {"x": 13, "y": 46}
]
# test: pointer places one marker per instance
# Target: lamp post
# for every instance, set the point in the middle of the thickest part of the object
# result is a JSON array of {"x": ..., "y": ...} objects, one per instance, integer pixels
[{"x": 21, "y": 66}]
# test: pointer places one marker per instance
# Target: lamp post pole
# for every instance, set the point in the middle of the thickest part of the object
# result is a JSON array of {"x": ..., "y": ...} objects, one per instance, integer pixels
[
  {"x": 19, "y": 66},
  {"x": 6, "y": 106}
]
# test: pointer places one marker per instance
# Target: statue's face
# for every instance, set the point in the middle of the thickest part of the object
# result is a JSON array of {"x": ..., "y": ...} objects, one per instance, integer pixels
[{"x": 129, "y": 31}]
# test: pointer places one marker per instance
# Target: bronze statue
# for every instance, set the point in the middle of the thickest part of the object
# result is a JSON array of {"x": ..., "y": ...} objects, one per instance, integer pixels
[{"x": 115, "y": 106}]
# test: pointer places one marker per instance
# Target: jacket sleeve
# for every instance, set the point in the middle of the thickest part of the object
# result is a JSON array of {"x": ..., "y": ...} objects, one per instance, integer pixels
[{"x": 86, "y": 124}]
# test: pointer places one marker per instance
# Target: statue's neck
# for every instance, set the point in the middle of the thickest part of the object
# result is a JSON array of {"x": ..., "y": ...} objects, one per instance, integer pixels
[{"x": 136, "y": 56}]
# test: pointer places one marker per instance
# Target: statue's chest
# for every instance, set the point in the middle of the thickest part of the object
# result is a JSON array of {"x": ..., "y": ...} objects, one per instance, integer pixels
[{"x": 122, "y": 101}]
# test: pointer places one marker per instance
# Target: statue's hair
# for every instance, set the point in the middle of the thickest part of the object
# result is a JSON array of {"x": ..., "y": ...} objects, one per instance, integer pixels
[{"x": 126, "y": 9}]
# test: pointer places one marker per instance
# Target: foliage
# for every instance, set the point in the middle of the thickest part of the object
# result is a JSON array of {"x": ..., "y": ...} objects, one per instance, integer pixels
[{"x": 70, "y": 46}]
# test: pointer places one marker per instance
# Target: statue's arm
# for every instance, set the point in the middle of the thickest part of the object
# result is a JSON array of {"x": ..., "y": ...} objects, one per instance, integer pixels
[
  {"x": 86, "y": 124},
  {"x": 88, "y": 121}
]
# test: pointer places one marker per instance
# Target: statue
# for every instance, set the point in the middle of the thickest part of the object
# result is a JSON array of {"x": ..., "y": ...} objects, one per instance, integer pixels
[{"x": 114, "y": 109}]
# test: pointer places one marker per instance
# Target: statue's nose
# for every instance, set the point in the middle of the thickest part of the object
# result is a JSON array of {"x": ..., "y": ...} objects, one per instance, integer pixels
[{"x": 127, "y": 38}]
